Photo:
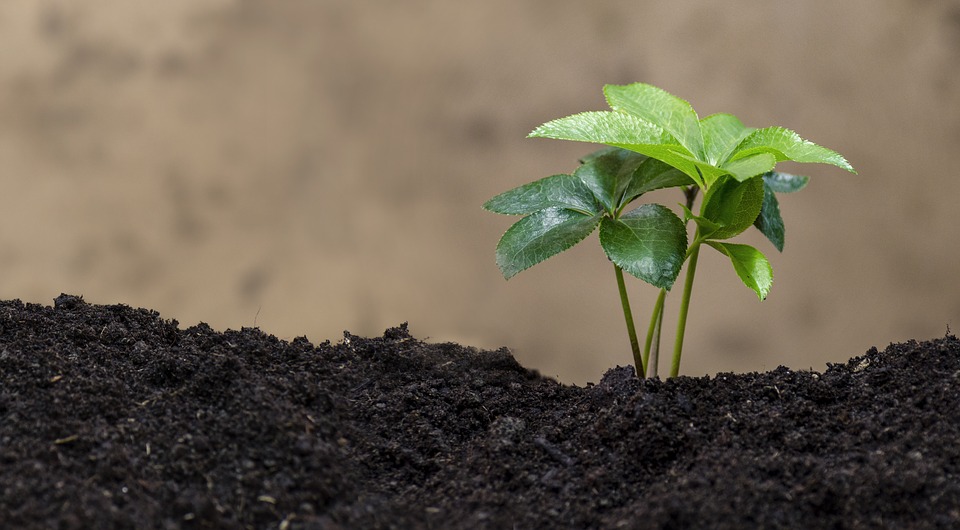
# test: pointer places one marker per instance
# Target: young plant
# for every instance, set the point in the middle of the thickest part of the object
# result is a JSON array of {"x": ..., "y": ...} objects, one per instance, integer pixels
[{"x": 655, "y": 140}]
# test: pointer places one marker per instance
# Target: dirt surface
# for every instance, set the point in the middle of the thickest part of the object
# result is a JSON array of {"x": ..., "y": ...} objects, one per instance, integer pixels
[{"x": 111, "y": 417}]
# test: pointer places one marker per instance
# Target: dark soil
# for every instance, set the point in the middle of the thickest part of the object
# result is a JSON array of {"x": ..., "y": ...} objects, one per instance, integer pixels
[{"x": 112, "y": 417}]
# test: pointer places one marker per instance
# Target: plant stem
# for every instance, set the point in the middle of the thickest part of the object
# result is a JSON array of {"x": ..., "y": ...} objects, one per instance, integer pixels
[
  {"x": 694, "y": 253},
  {"x": 656, "y": 345},
  {"x": 628, "y": 316},
  {"x": 656, "y": 321}
]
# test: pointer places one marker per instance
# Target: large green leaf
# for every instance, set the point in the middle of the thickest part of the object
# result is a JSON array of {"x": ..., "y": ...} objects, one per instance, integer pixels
[
  {"x": 658, "y": 106},
  {"x": 605, "y": 127},
  {"x": 721, "y": 133},
  {"x": 629, "y": 132},
  {"x": 769, "y": 221},
  {"x": 541, "y": 235},
  {"x": 751, "y": 265},
  {"x": 733, "y": 205},
  {"x": 652, "y": 175},
  {"x": 787, "y": 145},
  {"x": 557, "y": 191},
  {"x": 649, "y": 242}
]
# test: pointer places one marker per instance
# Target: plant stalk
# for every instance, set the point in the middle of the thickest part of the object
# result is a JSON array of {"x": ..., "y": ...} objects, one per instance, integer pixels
[
  {"x": 628, "y": 316},
  {"x": 656, "y": 346},
  {"x": 656, "y": 321},
  {"x": 685, "y": 304}
]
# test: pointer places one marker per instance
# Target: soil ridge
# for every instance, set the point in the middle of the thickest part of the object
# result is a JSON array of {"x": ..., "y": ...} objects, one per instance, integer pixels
[{"x": 113, "y": 417}]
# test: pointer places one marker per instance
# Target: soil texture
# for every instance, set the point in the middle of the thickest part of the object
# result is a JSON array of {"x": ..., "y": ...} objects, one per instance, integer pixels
[{"x": 112, "y": 417}]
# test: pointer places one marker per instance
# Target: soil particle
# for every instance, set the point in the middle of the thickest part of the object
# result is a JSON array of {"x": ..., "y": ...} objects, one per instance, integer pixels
[{"x": 111, "y": 417}]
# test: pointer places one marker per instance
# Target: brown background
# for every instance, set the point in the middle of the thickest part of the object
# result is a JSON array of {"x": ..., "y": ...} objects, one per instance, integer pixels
[{"x": 316, "y": 166}]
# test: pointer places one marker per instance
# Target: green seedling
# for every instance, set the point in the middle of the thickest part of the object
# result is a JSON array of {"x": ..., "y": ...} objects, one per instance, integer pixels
[{"x": 655, "y": 140}]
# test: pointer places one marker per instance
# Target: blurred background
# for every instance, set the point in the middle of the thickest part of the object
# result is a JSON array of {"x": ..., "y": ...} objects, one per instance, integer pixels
[{"x": 315, "y": 166}]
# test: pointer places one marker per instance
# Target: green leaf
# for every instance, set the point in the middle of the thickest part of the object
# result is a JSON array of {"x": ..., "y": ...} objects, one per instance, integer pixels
[
  {"x": 652, "y": 175},
  {"x": 604, "y": 127},
  {"x": 785, "y": 144},
  {"x": 700, "y": 173},
  {"x": 660, "y": 107},
  {"x": 785, "y": 182},
  {"x": 629, "y": 132},
  {"x": 557, "y": 191},
  {"x": 751, "y": 166},
  {"x": 751, "y": 265},
  {"x": 733, "y": 205},
  {"x": 769, "y": 221},
  {"x": 649, "y": 242},
  {"x": 607, "y": 175},
  {"x": 598, "y": 153},
  {"x": 721, "y": 133},
  {"x": 706, "y": 226},
  {"x": 540, "y": 236}
]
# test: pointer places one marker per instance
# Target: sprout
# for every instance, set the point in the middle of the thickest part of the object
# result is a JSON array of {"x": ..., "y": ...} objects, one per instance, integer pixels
[{"x": 655, "y": 140}]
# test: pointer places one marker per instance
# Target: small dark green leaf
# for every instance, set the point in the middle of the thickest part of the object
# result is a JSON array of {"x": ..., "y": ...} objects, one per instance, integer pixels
[
  {"x": 733, "y": 205},
  {"x": 557, "y": 191},
  {"x": 652, "y": 175},
  {"x": 598, "y": 153},
  {"x": 751, "y": 265},
  {"x": 540, "y": 236},
  {"x": 769, "y": 221},
  {"x": 784, "y": 182},
  {"x": 649, "y": 242},
  {"x": 607, "y": 175}
]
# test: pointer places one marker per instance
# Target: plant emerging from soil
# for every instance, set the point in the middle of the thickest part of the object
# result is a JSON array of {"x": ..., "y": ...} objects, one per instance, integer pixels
[{"x": 656, "y": 140}]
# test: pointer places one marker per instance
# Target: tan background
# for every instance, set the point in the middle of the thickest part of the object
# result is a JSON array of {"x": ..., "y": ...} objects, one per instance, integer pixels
[{"x": 316, "y": 166}]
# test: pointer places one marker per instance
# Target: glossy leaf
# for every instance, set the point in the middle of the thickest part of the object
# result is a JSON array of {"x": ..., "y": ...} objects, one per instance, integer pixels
[
  {"x": 606, "y": 150},
  {"x": 769, "y": 221},
  {"x": 658, "y": 106},
  {"x": 652, "y": 175},
  {"x": 626, "y": 131},
  {"x": 751, "y": 166},
  {"x": 607, "y": 175},
  {"x": 785, "y": 144},
  {"x": 733, "y": 205},
  {"x": 750, "y": 264},
  {"x": 605, "y": 127},
  {"x": 649, "y": 242},
  {"x": 557, "y": 191},
  {"x": 541, "y": 235},
  {"x": 785, "y": 182},
  {"x": 706, "y": 226},
  {"x": 721, "y": 134}
]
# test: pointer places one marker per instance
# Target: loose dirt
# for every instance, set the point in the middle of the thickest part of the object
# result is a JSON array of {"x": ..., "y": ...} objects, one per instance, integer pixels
[{"x": 111, "y": 417}]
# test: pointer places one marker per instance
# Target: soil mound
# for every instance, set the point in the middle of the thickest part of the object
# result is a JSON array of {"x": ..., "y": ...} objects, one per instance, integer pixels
[{"x": 111, "y": 417}]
